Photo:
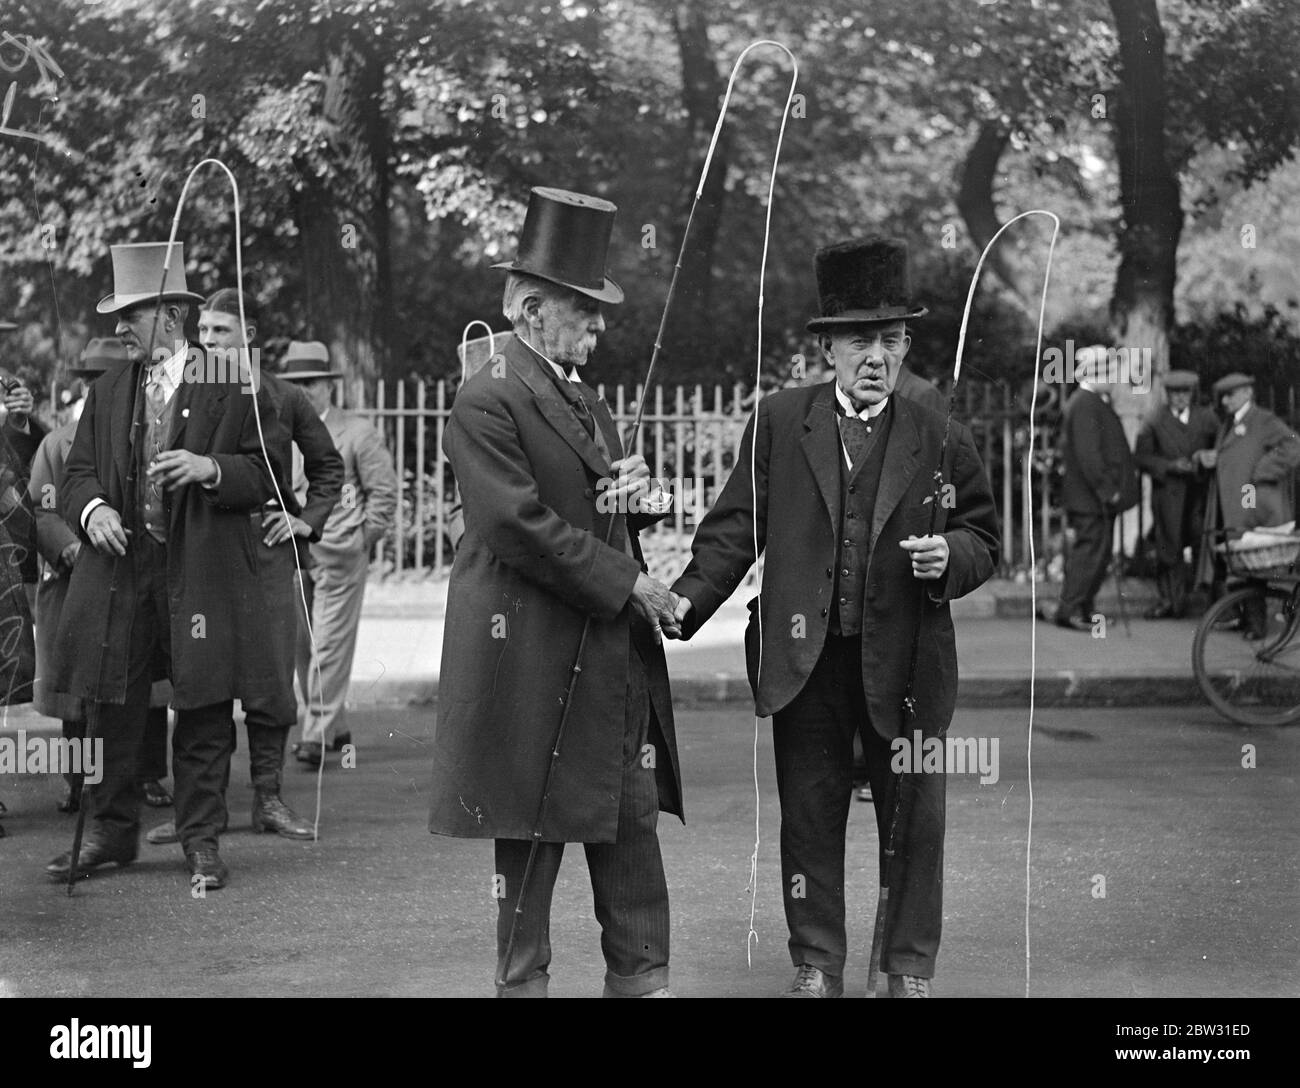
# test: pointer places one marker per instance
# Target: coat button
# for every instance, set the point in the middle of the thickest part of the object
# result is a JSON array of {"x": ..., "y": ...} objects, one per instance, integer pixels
[
  {"x": 589, "y": 493},
  {"x": 825, "y": 611},
  {"x": 845, "y": 572},
  {"x": 844, "y": 600},
  {"x": 852, "y": 515},
  {"x": 853, "y": 489},
  {"x": 828, "y": 572},
  {"x": 848, "y": 543}
]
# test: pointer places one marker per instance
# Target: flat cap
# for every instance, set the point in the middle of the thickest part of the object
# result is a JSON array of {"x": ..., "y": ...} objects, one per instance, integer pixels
[
  {"x": 1181, "y": 379},
  {"x": 1232, "y": 381}
]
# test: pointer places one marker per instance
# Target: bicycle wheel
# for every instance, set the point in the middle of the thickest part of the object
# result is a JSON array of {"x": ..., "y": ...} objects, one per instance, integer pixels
[{"x": 1250, "y": 682}]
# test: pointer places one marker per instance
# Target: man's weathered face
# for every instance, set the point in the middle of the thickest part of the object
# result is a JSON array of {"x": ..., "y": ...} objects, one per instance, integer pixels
[
  {"x": 866, "y": 359},
  {"x": 220, "y": 331},
  {"x": 1180, "y": 400},
  {"x": 567, "y": 324},
  {"x": 1235, "y": 398},
  {"x": 135, "y": 328}
]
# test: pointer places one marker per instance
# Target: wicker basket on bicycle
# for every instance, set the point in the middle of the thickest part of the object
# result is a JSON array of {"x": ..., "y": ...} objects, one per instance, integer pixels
[{"x": 1263, "y": 553}]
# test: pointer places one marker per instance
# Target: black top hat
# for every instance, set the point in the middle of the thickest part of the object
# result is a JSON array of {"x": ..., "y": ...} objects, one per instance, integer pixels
[
  {"x": 863, "y": 281},
  {"x": 565, "y": 239}
]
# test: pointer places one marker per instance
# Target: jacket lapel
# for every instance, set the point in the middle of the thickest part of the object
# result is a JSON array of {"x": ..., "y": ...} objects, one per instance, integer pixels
[
  {"x": 821, "y": 447},
  {"x": 553, "y": 407},
  {"x": 902, "y": 461}
]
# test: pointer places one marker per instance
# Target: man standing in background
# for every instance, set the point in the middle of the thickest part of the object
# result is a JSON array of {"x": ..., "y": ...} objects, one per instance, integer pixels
[{"x": 341, "y": 558}]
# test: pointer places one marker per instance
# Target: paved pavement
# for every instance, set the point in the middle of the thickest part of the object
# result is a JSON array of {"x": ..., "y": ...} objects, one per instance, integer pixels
[
  {"x": 1198, "y": 855},
  {"x": 1148, "y": 663}
]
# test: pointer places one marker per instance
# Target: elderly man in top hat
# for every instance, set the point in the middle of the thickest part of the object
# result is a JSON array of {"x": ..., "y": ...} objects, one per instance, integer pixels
[
  {"x": 1254, "y": 460},
  {"x": 1167, "y": 450},
  {"x": 163, "y": 475},
  {"x": 298, "y": 438},
  {"x": 335, "y": 582},
  {"x": 550, "y": 562},
  {"x": 851, "y": 578},
  {"x": 58, "y": 546}
]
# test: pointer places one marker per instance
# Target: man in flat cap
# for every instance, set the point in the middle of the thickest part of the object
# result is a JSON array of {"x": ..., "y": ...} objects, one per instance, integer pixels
[
  {"x": 1101, "y": 481},
  {"x": 1167, "y": 450},
  {"x": 851, "y": 579},
  {"x": 165, "y": 482},
  {"x": 1254, "y": 461},
  {"x": 335, "y": 578},
  {"x": 542, "y": 473}
]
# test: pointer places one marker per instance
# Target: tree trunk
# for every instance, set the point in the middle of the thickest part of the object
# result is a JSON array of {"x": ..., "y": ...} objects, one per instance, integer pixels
[
  {"x": 1142, "y": 305},
  {"x": 690, "y": 341},
  {"x": 979, "y": 212},
  {"x": 342, "y": 219}
]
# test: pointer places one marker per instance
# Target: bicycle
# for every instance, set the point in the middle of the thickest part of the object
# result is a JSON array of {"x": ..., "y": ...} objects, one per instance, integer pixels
[{"x": 1246, "y": 656}]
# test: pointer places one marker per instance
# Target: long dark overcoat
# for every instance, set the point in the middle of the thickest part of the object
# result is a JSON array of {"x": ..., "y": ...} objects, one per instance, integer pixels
[
  {"x": 532, "y": 567},
  {"x": 797, "y": 473},
  {"x": 213, "y": 537},
  {"x": 1177, "y": 498}
]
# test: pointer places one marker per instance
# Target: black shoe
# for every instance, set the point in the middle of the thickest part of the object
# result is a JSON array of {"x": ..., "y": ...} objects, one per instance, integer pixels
[
  {"x": 209, "y": 868},
  {"x": 336, "y": 745},
  {"x": 71, "y": 799},
  {"x": 309, "y": 752},
  {"x": 155, "y": 794},
  {"x": 93, "y": 855},
  {"x": 272, "y": 814},
  {"x": 1162, "y": 611},
  {"x": 1070, "y": 623}
]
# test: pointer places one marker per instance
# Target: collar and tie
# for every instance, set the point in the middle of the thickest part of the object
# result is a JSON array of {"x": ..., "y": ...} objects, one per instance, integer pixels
[{"x": 571, "y": 389}]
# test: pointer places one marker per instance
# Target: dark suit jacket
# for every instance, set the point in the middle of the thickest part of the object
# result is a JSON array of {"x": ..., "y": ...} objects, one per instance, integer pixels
[
  {"x": 214, "y": 537},
  {"x": 916, "y": 388},
  {"x": 797, "y": 454},
  {"x": 1176, "y": 495},
  {"x": 299, "y": 425},
  {"x": 531, "y": 570},
  {"x": 1098, "y": 463}
]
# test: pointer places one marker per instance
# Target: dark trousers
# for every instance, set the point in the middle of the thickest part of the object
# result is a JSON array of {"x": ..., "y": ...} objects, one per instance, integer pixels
[
  {"x": 151, "y": 762},
  {"x": 813, "y": 741},
  {"x": 200, "y": 744},
  {"x": 627, "y": 881},
  {"x": 1085, "y": 562}
]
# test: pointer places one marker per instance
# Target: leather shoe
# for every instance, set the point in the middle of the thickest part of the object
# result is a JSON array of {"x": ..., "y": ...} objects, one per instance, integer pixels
[
  {"x": 209, "y": 868},
  {"x": 272, "y": 814},
  {"x": 336, "y": 745},
  {"x": 908, "y": 986},
  {"x": 1162, "y": 611},
  {"x": 93, "y": 855},
  {"x": 810, "y": 981},
  {"x": 1070, "y": 623},
  {"x": 309, "y": 752},
  {"x": 155, "y": 794}
]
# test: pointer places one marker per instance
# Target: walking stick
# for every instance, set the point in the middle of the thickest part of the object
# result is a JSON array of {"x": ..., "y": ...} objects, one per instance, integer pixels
[
  {"x": 576, "y": 670},
  {"x": 890, "y": 875}
]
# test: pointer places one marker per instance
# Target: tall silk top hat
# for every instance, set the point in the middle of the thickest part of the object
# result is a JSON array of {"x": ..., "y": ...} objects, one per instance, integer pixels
[
  {"x": 137, "y": 272},
  {"x": 861, "y": 281},
  {"x": 565, "y": 239}
]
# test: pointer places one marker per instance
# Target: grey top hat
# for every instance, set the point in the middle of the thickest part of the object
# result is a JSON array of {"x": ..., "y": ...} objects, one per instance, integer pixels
[{"x": 137, "y": 273}]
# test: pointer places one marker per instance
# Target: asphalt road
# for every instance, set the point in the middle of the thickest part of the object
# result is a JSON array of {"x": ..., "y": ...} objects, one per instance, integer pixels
[{"x": 1198, "y": 854}]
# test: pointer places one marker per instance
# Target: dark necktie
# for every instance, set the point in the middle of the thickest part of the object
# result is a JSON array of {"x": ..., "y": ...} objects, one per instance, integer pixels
[{"x": 856, "y": 435}]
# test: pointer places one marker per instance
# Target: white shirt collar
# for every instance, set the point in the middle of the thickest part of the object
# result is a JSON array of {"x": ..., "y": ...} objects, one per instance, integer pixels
[
  {"x": 325, "y": 413},
  {"x": 168, "y": 373},
  {"x": 571, "y": 376},
  {"x": 1088, "y": 386},
  {"x": 870, "y": 412},
  {"x": 1240, "y": 413},
  {"x": 1184, "y": 415}
]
